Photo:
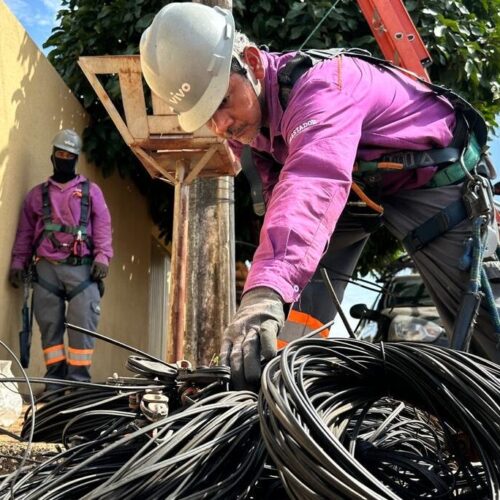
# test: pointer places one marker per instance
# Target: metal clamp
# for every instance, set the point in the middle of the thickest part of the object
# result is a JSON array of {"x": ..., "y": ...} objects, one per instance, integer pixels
[
  {"x": 477, "y": 197},
  {"x": 154, "y": 405}
]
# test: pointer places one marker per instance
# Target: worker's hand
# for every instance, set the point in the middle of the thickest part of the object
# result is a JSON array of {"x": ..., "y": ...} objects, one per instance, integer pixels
[
  {"x": 16, "y": 277},
  {"x": 98, "y": 271},
  {"x": 252, "y": 334}
]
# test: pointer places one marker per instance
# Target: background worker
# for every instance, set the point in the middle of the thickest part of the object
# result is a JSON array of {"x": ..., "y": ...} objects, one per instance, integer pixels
[
  {"x": 307, "y": 124},
  {"x": 65, "y": 228}
]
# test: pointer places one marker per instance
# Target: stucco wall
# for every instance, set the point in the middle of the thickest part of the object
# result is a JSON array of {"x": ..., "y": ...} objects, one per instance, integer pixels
[{"x": 34, "y": 105}]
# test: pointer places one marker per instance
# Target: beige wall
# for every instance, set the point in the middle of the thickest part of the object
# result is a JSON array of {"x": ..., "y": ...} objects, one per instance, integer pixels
[{"x": 34, "y": 105}]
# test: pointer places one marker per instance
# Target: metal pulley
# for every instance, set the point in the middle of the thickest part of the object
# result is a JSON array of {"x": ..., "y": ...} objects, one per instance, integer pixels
[{"x": 154, "y": 405}]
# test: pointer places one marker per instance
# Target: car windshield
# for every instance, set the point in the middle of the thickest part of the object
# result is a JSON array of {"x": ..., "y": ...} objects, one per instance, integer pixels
[{"x": 407, "y": 292}]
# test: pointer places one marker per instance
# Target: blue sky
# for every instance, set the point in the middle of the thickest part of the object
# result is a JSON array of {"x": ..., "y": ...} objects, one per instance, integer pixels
[{"x": 37, "y": 16}]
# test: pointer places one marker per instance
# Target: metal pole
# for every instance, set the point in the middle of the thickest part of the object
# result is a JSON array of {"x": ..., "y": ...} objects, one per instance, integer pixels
[
  {"x": 211, "y": 284},
  {"x": 179, "y": 268}
]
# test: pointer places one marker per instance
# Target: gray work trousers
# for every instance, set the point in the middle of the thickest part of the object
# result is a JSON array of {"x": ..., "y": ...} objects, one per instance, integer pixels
[
  {"x": 52, "y": 311},
  {"x": 437, "y": 262}
]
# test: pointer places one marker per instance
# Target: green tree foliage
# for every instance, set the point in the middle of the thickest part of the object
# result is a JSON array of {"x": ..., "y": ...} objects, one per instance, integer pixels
[
  {"x": 463, "y": 37},
  {"x": 114, "y": 27}
]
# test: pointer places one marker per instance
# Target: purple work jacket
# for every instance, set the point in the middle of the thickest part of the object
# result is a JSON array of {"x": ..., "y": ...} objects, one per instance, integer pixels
[
  {"x": 65, "y": 207},
  {"x": 339, "y": 111}
]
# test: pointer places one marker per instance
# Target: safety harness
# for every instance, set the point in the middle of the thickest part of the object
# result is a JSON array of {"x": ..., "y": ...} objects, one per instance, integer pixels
[
  {"x": 465, "y": 150},
  {"x": 465, "y": 154},
  {"x": 464, "y": 160},
  {"x": 80, "y": 234}
]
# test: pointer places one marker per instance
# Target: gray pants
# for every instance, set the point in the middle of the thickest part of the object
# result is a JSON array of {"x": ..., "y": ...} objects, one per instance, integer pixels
[
  {"x": 52, "y": 311},
  {"x": 437, "y": 262}
]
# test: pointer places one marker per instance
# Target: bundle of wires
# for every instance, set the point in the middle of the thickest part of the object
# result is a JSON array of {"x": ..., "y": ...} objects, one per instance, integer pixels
[
  {"x": 211, "y": 449},
  {"x": 59, "y": 420},
  {"x": 57, "y": 409},
  {"x": 348, "y": 419}
]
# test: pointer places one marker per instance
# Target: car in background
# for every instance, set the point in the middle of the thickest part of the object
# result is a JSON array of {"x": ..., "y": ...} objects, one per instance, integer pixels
[{"x": 403, "y": 310}]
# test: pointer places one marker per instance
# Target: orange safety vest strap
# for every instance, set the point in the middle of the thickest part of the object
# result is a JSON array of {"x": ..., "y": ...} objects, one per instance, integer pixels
[
  {"x": 297, "y": 325},
  {"x": 305, "y": 319},
  {"x": 79, "y": 357},
  {"x": 54, "y": 354},
  {"x": 281, "y": 343}
]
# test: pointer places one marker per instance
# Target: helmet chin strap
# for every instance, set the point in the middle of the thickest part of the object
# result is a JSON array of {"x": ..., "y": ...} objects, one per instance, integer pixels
[{"x": 257, "y": 87}]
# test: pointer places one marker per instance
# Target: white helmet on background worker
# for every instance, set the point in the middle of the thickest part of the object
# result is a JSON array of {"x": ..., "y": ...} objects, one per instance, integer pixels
[
  {"x": 68, "y": 140},
  {"x": 186, "y": 59}
]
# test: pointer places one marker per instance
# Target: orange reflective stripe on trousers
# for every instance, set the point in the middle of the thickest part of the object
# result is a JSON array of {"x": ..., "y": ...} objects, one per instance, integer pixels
[
  {"x": 80, "y": 357},
  {"x": 297, "y": 325},
  {"x": 54, "y": 354}
]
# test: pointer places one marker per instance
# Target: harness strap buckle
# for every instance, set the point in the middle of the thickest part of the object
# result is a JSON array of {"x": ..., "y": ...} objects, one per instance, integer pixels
[
  {"x": 477, "y": 197},
  {"x": 435, "y": 226}
]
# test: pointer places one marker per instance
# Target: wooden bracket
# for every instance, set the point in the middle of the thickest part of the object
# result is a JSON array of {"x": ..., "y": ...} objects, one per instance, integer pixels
[{"x": 156, "y": 139}]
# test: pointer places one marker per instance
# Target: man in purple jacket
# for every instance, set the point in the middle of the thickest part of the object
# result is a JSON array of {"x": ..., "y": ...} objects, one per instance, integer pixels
[
  {"x": 307, "y": 127},
  {"x": 65, "y": 228}
]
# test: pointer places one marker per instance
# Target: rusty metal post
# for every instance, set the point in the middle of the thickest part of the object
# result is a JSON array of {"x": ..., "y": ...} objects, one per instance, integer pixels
[
  {"x": 211, "y": 284},
  {"x": 179, "y": 269}
]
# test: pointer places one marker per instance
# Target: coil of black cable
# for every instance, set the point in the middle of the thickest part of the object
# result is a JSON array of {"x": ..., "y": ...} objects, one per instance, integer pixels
[
  {"x": 211, "y": 449},
  {"x": 343, "y": 418}
]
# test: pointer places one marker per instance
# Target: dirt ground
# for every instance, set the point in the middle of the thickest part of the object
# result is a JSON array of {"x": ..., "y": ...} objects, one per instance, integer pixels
[{"x": 12, "y": 450}]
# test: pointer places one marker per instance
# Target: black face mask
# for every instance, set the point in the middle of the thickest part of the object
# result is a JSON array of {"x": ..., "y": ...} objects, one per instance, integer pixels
[{"x": 64, "y": 170}]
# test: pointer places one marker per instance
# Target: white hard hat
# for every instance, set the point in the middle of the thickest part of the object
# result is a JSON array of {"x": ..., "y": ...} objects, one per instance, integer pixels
[
  {"x": 68, "y": 140},
  {"x": 186, "y": 59}
]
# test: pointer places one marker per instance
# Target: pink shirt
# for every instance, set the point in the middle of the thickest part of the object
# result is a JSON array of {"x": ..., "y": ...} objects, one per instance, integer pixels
[
  {"x": 339, "y": 111},
  {"x": 65, "y": 208}
]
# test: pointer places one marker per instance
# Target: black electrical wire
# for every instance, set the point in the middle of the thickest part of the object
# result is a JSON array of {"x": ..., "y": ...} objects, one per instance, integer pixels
[
  {"x": 188, "y": 462},
  {"x": 211, "y": 449},
  {"x": 343, "y": 418},
  {"x": 336, "y": 301},
  {"x": 27, "y": 451},
  {"x": 103, "y": 425},
  {"x": 12, "y": 435},
  {"x": 54, "y": 414},
  {"x": 114, "y": 342},
  {"x": 45, "y": 476},
  {"x": 89, "y": 419},
  {"x": 338, "y": 418},
  {"x": 128, "y": 384},
  {"x": 57, "y": 407},
  {"x": 20, "y": 458},
  {"x": 360, "y": 282},
  {"x": 53, "y": 417}
]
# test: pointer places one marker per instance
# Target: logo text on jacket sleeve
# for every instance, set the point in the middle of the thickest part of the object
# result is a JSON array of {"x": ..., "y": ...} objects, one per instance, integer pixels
[{"x": 298, "y": 130}]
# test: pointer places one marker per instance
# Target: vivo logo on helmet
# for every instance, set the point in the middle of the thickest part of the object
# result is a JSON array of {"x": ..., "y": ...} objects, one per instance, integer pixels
[{"x": 180, "y": 94}]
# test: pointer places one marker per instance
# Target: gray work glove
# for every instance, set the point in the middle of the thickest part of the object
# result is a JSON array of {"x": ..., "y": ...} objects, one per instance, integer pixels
[
  {"x": 98, "y": 271},
  {"x": 252, "y": 334},
  {"x": 16, "y": 277}
]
